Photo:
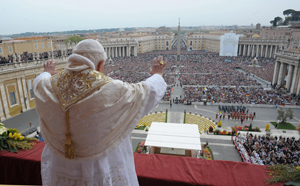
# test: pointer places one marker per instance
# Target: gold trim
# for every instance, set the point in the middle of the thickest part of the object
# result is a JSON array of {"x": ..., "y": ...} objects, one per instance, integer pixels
[{"x": 71, "y": 88}]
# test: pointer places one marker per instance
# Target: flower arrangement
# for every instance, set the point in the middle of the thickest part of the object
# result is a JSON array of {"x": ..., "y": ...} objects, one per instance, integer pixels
[
  {"x": 141, "y": 148},
  {"x": 224, "y": 132},
  {"x": 267, "y": 126},
  {"x": 220, "y": 123},
  {"x": 207, "y": 154},
  {"x": 282, "y": 173},
  {"x": 11, "y": 140},
  {"x": 217, "y": 131},
  {"x": 241, "y": 128}
]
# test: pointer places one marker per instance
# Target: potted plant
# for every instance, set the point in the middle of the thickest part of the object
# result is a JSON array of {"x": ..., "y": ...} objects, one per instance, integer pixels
[{"x": 217, "y": 131}]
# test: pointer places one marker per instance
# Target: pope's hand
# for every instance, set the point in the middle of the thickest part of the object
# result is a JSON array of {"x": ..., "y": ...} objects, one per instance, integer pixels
[
  {"x": 49, "y": 66},
  {"x": 158, "y": 66}
]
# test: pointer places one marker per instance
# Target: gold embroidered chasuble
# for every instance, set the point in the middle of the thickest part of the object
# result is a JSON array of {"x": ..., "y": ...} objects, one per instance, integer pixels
[
  {"x": 71, "y": 87},
  {"x": 103, "y": 111}
]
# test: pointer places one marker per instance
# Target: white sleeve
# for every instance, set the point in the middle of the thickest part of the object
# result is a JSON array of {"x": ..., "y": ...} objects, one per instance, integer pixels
[
  {"x": 42, "y": 75},
  {"x": 157, "y": 86}
]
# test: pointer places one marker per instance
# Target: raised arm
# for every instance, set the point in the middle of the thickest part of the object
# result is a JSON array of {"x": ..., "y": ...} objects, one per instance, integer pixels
[
  {"x": 156, "y": 84},
  {"x": 49, "y": 70}
]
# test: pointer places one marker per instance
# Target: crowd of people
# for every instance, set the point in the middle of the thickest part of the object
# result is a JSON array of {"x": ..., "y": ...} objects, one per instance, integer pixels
[
  {"x": 241, "y": 95},
  {"x": 25, "y": 57},
  {"x": 228, "y": 78},
  {"x": 212, "y": 63},
  {"x": 136, "y": 68},
  {"x": 265, "y": 150}
]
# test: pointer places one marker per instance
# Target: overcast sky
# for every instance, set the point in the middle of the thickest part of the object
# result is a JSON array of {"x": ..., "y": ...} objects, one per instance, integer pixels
[{"x": 17, "y": 16}]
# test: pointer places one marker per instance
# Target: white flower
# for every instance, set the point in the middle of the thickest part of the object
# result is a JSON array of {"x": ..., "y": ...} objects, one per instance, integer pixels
[{"x": 2, "y": 129}]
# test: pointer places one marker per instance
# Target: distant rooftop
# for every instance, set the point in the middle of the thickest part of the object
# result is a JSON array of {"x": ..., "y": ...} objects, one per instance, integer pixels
[{"x": 6, "y": 39}]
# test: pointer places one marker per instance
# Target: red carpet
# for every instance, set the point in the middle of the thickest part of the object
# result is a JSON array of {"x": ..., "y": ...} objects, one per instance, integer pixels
[{"x": 24, "y": 168}]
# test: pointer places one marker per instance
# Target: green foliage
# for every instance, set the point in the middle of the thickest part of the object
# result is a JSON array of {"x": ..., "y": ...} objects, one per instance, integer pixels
[
  {"x": 217, "y": 131},
  {"x": 73, "y": 39},
  {"x": 284, "y": 114},
  {"x": 283, "y": 173},
  {"x": 250, "y": 126},
  {"x": 184, "y": 118},
  {"x": 166, "y": 120},
  {"x": 288, "y": 126},
  {"x": 275, "y": 21}
]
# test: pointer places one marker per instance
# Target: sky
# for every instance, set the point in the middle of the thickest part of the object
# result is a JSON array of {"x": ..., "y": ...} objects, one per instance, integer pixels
[{"x": 18, "y": 16}]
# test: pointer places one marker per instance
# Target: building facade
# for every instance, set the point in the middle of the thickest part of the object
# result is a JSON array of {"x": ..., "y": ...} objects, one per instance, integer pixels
[
  {"x": 25, "y": 45},
  {"x": 287, "y": 71},
  {"x": 16, "y": 93},
  {"x": 209, "y": 42}
]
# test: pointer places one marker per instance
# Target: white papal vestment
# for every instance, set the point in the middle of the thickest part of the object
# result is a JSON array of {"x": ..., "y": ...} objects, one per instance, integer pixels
[{"x": 100, "y": 126}]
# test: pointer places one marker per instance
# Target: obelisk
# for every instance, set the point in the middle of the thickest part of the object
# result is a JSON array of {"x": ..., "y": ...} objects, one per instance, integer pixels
[{"x": 178, "y": 44}]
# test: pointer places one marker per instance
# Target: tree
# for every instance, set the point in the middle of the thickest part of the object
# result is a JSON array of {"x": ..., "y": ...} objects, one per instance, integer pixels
[
  {"x": 288, "y": 12},
  {"x": 73, "y": 39},
  {"x": 291, "y": 15},
  {"x": 275, "y": 21},
  {"x": 284, "y": 114}
]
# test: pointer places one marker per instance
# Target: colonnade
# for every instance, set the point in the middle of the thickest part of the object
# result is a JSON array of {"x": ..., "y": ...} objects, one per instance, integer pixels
[
  {"x": 120, "y": 51},
  {"x": 258, "y": 50},
  {"x": 287, "y": 73}
]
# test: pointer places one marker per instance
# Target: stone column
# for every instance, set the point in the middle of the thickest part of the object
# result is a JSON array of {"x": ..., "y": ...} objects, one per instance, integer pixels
[
  {"x": 252, "y": 53},
  {"x": 135, "y": 51},
  {"x": 21, "y": 94},
  {"x": 119, "y": 48},
  {"x": 276, "y": 72},
  {"x": 112, "y": 52},
  {"x": 244, "y": 49},
  {"x": 2, "y": 118},
  {"x": 4, "y": 99},
  {"x": 289, "y": 78},
  {"x": 248, "y": 50},
  {"x": 127, "y": 51},
  {"x": 294, "y": 80},
  {"x": 275, "y": 51},
  {"x": 266, "y": 53},
  {"x": 262, "y": 51},
  {"x": 271, "y": 50},
  {"x": 298, "y": 88},
  {"x": 280, "y": 78},
  {"x": 25, "y": 93}
]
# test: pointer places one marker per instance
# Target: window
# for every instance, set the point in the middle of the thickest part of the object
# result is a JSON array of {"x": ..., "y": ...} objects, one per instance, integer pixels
[
  {"x": 36, "y": 46},
  {"x": 0, "y": 50},
  {"x": 29, "y": 84},
  {"x": 43, "y": 46},
  {"x": 10, "y": 49},
  {"x": 49, "y": 45},
  {"x": 31, "y": 93},
  {"x": 13, "y": 100}
]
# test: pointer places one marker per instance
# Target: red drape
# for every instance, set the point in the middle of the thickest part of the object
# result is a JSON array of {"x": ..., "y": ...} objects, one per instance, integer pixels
[
  {"x": 25, "y": 168},
  {"x": 184, "y": 171}
]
